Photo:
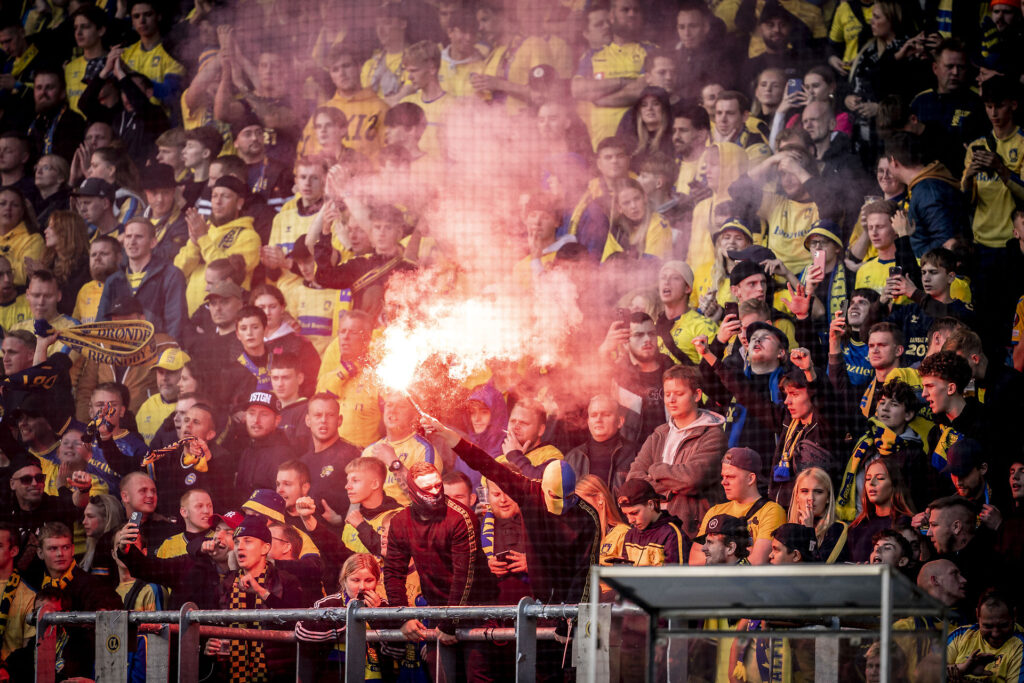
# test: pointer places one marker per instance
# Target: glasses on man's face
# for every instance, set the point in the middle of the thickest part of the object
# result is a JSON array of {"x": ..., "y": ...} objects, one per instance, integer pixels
[{"x": 30, "y": 478}]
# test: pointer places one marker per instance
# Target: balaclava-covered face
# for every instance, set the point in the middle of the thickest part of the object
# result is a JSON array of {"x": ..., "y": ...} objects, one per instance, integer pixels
[
  {"x": 558, "y": 485},
  {"x": 426, "y": 504}
]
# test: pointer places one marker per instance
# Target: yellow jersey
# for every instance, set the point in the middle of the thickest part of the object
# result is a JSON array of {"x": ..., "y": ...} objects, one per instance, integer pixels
[
  {"x": 684, "y": 328},
  {"x": 454, "y": 75},
  {"x": 151, "y": 414},
  {"x": 1017, "y": 333},
  {"x": 74, "y": 73},
  {"x": 16, "y": 244},
  {"x": 357, "y": 395},
  {"x": 365, "y": 113},
  {"x": 317, "y": 311},
  {"x": 15, "y": 312},
  {"x": 410, "y": 450},
  {"x": 611, "y": 61},
  {"x": 87, "y": 303},
  {"x": 383, "y": 73},
  {"x": 789, "y": 222},
  {"x": 1009, "y": 657},
  {"x": 847, "y": 27},
  {"x": 156, "y": 64},
  {"x": 436, "y": 112},
  {"x": 994, "y": 200},
  {"x": 657, "y": 241},
  {"x": 761, "y": 525}
]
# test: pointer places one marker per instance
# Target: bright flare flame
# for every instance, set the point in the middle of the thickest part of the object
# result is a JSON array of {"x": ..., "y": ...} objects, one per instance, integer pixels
[{"x": 466, "y": 332}]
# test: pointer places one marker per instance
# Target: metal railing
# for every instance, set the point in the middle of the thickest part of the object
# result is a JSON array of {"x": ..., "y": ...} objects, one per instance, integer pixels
[{"x": 116, "y": 631}]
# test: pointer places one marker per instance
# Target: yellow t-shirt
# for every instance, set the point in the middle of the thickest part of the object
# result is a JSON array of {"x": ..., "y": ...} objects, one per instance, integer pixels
[
  {"x": 761, "y": 525},
  {"x": 17, "y": 311},
  {"x": 358, "y": 397},
  {"x": 316, "y": 310},
  {"x": 611, "y": 61},
  {"x": 74, "y": 71},
  {"x": 994, "y": 201},
  {"x": 688, "y": 171},
  {"x": 454, "y": 75},
  {"x": 18, "y": 243},
  {"x": 789, "y": 222},
  {"x": 436, "y": 111},
  {"x": 966, "y": 640},
  {"x": 151, "y": 414},
  {"x": 1017, "y": 333},
  {"x": 687, "y": 326},
  {"x": 846, "y": 29},
  {"x": 391, "y": 63},
  {"x": 365, "y": 113},
  {"x": 155, "y": 64},
  {"x": 410, "y": 450}
]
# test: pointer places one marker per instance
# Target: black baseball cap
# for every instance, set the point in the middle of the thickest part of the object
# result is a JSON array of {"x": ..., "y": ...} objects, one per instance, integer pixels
[
  {"x": 726, "y": 525},
  {"x": 636, "y": 492},
  {"x": 798, "y": 537}
]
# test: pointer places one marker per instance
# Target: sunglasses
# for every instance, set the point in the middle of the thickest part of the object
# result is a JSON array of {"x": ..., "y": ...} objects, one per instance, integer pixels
[{"x": 29, "y": 478}]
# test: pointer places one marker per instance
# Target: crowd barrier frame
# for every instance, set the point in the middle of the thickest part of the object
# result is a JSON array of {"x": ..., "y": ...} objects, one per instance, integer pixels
[
  {"x": 666, "y": 597},
  {"x": 874, "y": 594},
  {"x": 115, "y": 636}
]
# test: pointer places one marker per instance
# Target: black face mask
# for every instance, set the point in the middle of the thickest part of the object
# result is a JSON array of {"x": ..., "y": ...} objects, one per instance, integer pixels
[{"x": 428, "y": 506}]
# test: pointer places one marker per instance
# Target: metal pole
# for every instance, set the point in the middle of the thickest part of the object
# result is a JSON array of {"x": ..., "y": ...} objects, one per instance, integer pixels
[
  {"x": 355, "y": 643},
  {"x": 885, "y": 628},
  {"x": 188, "y": 646},
  {"x": 111, "y": 643},
  {"x": 158, "y": 655},
  {"x": 526, "y": 644},
  {"x": 593, "y": 635}
]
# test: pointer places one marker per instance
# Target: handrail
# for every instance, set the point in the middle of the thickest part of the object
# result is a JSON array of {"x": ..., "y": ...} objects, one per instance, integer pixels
[{"x": 281, "y": 616}]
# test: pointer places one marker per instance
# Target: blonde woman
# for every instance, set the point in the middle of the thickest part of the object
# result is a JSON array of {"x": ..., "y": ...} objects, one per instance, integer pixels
[
  {"x": 814, "y": 504},
  {"x": 101, "y": 518},
  {"x": 594, "y": 491},
  {"x": 360, "y": 579}
]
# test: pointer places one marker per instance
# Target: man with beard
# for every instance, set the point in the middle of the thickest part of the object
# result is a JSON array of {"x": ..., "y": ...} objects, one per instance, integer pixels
[
  {"x": 440, "y": 536},
  {"x": 104, "y": 254},
  {"x": 56, "y": 128},
  {"x": 13, "y": 306},
  {"x": 691, "y": 131},
  {"x": 632, "y": 349}
]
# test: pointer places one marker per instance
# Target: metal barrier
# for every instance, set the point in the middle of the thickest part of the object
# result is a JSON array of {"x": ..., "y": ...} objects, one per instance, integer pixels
[{"x": 116, "y": 631}]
